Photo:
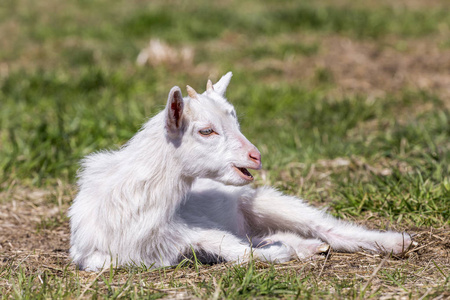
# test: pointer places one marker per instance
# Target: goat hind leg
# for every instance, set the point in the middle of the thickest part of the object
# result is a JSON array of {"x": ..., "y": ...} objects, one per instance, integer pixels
[{"x": 268, "y": 210}]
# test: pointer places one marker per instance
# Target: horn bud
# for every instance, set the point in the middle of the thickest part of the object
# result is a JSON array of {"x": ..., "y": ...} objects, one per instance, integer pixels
[
  {"x": 191, "y": 92},
  {"x": 209, "y": 86}
]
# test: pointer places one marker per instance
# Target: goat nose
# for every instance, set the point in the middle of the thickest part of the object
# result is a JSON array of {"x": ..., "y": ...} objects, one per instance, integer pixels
[{"x": 255, "y": 156}]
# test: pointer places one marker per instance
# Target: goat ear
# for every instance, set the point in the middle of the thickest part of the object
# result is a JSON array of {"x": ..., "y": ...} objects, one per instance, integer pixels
[
  {"x": 174, "y": 108},
  {"x": 221, "y": 86}
]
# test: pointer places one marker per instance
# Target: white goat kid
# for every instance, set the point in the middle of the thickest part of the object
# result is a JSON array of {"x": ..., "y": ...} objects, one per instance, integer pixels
[{"x": 178, "y": 186}]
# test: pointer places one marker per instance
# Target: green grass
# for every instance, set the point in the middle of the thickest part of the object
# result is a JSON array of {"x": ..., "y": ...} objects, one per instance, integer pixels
[{"x": 71, "y": 87}]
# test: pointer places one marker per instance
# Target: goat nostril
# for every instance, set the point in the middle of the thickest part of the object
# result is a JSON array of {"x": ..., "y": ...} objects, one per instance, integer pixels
[{"x": 255, "y": 156}]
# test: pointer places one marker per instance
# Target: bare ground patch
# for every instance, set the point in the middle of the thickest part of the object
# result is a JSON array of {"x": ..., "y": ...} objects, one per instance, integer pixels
[
  {"x": 364, "y": 67},
  {"x": 35, "y": 239},
  {"x": 399, "y": 4}
]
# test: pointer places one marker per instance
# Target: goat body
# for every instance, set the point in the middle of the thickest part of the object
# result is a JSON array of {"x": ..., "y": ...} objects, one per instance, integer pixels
[{"x": 179, "y": 185}]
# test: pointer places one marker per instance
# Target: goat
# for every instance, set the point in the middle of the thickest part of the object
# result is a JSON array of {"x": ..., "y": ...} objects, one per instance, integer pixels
[{"x": 180, "y": 185}]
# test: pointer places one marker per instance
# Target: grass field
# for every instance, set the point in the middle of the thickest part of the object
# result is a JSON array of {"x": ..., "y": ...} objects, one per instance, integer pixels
[{"x": 348, "y": 102}]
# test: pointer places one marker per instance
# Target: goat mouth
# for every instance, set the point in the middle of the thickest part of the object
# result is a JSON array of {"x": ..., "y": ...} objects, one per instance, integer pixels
[{"x": 244, "y": 173}]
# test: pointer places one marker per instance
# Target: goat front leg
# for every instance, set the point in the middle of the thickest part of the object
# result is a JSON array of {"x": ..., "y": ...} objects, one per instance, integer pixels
[
  {"x": 268, "y": 210},
  {"x": 220, "y": 245}
]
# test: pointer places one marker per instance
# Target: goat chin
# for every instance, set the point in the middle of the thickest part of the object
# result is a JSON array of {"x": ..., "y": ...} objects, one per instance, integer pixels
[{"x": 181, "y": 185}]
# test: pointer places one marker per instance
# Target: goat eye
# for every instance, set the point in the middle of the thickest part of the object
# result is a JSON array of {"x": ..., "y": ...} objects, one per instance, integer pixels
[{"x": 207, "y": 131}]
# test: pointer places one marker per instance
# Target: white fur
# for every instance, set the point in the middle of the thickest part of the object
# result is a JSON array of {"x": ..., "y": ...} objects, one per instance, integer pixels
[{"x": 171, "y": 190}]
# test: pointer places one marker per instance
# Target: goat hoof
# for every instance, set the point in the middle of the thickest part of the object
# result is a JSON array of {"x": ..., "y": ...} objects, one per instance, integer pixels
[{"x": 322, "y": 248}]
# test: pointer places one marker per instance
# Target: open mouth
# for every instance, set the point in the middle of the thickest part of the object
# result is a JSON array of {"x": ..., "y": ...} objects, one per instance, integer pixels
[{"x": 244, "y": 173}]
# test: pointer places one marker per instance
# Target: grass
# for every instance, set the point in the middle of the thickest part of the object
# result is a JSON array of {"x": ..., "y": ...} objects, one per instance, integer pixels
[
  {"x": 221, "y": 281},
  {"x": 69, "y": 86}
]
